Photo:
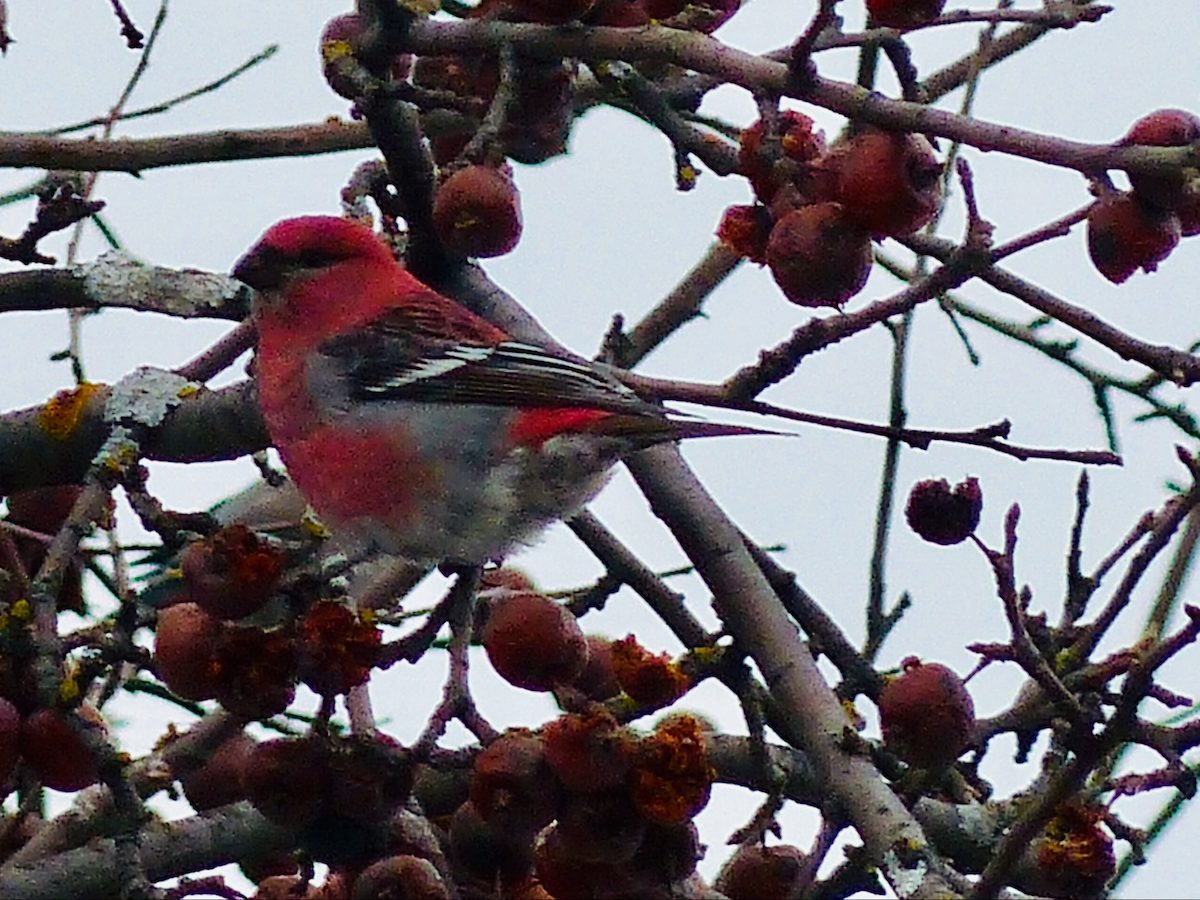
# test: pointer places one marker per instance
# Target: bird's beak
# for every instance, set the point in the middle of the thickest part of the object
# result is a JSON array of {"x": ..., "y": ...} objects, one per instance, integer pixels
[{"x": 261, "y": 268}]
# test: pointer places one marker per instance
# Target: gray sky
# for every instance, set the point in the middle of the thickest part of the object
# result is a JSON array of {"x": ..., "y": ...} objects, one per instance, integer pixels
[{"x": 606, "y": 232}]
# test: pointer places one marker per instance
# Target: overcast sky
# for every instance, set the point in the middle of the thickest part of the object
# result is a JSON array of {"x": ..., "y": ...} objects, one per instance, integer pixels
[{"x": 606, "y": 232}]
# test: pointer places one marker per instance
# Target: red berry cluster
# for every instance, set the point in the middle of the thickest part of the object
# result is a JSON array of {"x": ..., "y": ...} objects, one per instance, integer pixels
[
  {"x": 537, "y": 644},
  {"x": 1138, "y": 229},
  {"x": 253, "y": 671},
  {"x": 586, "y": 806},
  {"x": 818, "y": 209}
]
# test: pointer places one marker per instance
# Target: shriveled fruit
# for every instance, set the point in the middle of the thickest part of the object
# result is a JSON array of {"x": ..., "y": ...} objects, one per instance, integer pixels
[
  {"x": 768, "y": 164},
  {"x": 590, "y": 751},
  {"x": 512, "y": 786},
  {"x": 598, "y": 680},
  {"x": 489, "y": 855},
  {"x": 755, "y": 872},
  {"x": 477, "y": 212},
  {"x": 185, "y": 646},
  {"x": 888, "y": 181},
  {"x": 927, "y": 715},
  {"x": 55, "y": 753},
  {"x": 534, "y": 643},
  {"x": 400, "y": 876},
  {"x": 1166, "y": 128},
  {"x": 219, "y": 780},
  {"x": 941, "y": 515},
  {"x": 818, "y": 257},
  {"x": 1124, "y": 235},
  {"x": 904, "y": 13},
  {"x": 287, "y": 780},
  {"x": 232, "y": 572}
]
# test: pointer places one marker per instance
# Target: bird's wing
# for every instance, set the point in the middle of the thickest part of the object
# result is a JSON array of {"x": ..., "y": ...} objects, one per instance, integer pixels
[{"x": 410, "y": 355}]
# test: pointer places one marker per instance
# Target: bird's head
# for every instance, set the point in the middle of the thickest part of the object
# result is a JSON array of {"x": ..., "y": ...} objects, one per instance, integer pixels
[{"x": 306, "y": 246}]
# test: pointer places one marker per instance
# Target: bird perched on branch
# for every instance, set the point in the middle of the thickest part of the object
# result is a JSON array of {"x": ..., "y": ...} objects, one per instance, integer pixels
[{"x": 414, "y": 425}]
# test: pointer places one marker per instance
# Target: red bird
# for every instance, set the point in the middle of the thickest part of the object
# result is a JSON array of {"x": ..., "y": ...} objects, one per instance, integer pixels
[{"x": 414, "y": 425}]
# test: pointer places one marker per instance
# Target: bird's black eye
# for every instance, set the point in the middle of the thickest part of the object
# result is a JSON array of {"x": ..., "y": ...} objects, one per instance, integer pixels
[{"x": 318, "y": 259}]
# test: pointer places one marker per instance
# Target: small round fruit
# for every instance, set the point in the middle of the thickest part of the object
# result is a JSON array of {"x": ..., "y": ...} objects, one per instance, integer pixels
[
  {"x": 799, "y": 142},
  {"x": 490, "y": 855},
  {"x": 1125, "y": 234},
  {"x": 889, "y": 182},
  {"x": 512, "y": 786},
  {"x": 1165, "y": 128},
  {"x": 755, "y": 872},
  {"x": 927, "y": 715},
  {"x": 219, "y": 781},
  {"x": 185, "y": 646},
  {"x": 400, "y": 876},
  {"x": 904, "y": 13},
  {"x": 287, "y": 780},
  {"x": 231, "y": 573},
  {"x": 602, "y": 827},
  {"x": 534, "y": 643},
  {"x": 818, "y": 257},
  {"x": 671, "y": 779},
  {"x": 598, "y": 680},
  {"x": 55, "y": 753},
  {"x": 942, "y": 516},
  {"x": 746, "y": 230},
  {"x": 589, "y": 751},
  {"x": 477, "y": 212},
  {"x": 256, "y": 671}
]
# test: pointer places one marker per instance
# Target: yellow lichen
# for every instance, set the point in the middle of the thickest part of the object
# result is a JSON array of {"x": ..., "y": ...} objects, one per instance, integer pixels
[{"x": 60, "y": 416}]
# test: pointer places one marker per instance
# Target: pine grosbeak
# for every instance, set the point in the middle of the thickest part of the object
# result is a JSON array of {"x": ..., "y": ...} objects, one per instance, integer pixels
[{"x": 414, "y": 425}]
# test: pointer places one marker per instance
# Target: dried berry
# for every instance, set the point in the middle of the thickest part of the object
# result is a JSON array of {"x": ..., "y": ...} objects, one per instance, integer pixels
[
  {"x": 672, "y": 779},
  {"x": 601, "y": 827},
  {"x": 755, "y": 872},
  {"x": 650, "y": 679},
  {"x": 904, "y": 13},
  {"x": 927, "y": 715},
  {"x": 336, "y": 649},
  {"x": 589, "y": 751},
  {"x": 942, "y": 516},
  {"x": 1125, "y": 234},
  {"x": 1074, "y": 856},
  {"x": 231, "y": 573},
  {"x": 512, "y": 786},
  {"x": 477, "y": 212},
  {"x": 287, "y": 780},
  {"x": 219, "y": 780},
  {"x": 770, "y": 163},
  {"x": 256, "y": 671},
  {"x": 406, "y": 877},
  {"x": 56, "y": 754},
  {"x": 818, "y": 257},
  {"x": 889, "y": 182},
  {"x": 489, "y": 855},
  {"x": 746, "y": 229},
  {"x": 185, "y": 647},
  {"x": 1166, "y": 128},
  {"x": 534, "y": 643},
  {"x": 598, "y": 680}
]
